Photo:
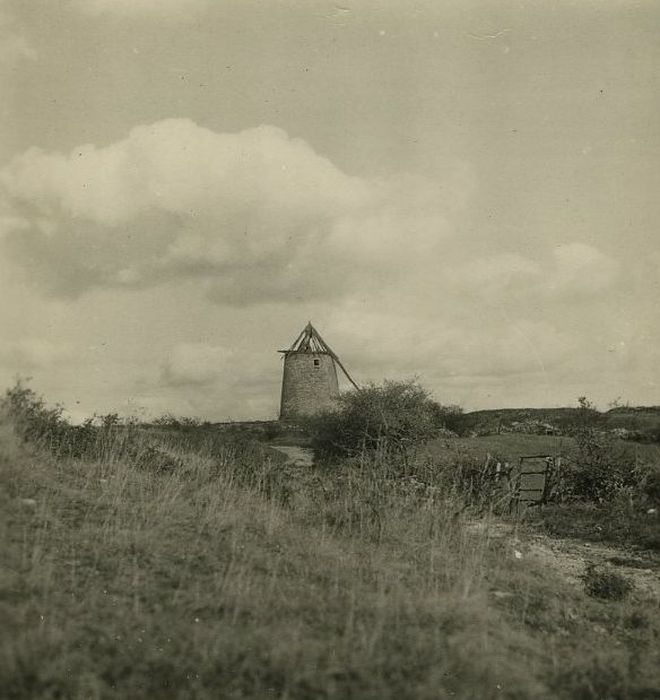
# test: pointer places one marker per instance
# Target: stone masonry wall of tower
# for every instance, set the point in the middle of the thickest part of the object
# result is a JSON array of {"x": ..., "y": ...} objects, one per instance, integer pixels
[{"x": 308, "y": 387}]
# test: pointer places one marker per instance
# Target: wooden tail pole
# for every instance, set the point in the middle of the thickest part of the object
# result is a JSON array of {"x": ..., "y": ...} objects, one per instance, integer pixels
[{"x": 343, "y": 369}]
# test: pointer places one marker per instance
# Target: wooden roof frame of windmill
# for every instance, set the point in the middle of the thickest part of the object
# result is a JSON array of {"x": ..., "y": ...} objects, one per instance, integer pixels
[{"x": 310, "y": 341}]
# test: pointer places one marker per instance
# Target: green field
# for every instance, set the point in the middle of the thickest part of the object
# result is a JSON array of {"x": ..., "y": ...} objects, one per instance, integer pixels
[{"x": 511, "y": 446}]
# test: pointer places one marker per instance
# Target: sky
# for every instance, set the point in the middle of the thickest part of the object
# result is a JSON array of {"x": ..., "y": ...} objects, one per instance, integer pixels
[{"x": 465, "y": 192}]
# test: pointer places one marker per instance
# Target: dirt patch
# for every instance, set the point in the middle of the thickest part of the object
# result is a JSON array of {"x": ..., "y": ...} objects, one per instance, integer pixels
[{"x": 570, "y": 558}]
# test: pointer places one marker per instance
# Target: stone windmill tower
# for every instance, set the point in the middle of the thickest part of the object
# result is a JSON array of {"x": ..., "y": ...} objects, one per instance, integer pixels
[{"x": 309, "y": 381}]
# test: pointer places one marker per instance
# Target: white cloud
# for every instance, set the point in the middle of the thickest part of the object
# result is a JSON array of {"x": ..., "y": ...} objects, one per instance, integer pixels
[
  {"x": 33, "y": 353},
  {"x": 259, "y": 218},
  {"x": 572, "y": 269},
  {"x": 196, "y": 364},
  {"x": 257, "y": 215},
  {"x": 198, "y": 377},
  {"x": 495, "y": 274},
  {"x": 438, "y": 346},
  {"x": 581, "y": 268}
]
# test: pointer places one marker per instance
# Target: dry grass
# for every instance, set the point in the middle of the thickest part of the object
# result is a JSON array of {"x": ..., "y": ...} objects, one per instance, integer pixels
[{"x": 229, "y": 577}]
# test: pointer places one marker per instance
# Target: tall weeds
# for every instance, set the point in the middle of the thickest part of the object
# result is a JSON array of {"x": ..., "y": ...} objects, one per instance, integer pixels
[{"x": 226, "y": 574}]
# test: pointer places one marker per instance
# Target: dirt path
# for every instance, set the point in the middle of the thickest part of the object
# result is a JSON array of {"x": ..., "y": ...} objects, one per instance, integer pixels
[
  {"x": 296, "y": 456},
  {"x": 569, "y": 558}
]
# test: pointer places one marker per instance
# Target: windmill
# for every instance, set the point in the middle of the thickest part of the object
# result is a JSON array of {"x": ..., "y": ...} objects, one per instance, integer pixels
[{"x": 309, "y": 380}]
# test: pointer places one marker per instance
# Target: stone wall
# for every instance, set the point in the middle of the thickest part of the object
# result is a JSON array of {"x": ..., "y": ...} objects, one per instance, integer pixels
[{"x": 309, "y": 384}]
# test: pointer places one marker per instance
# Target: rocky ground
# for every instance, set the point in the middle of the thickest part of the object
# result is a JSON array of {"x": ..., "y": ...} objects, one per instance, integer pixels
[{"x": 570, "y": 558}]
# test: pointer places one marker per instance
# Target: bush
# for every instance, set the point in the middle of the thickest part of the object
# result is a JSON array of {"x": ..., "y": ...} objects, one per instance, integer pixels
[
  {"x": 47, "y": 427},
  {"x": 601, "y": 468},
  {"x": 651, "y": 485},
  {"x": 450, "y": 417},
  {"x": 605, "y": 584},
  {"x": 98, "y": 437},
  {"x": 394, "y": 419},
  {"x": 168, "y": 420}
]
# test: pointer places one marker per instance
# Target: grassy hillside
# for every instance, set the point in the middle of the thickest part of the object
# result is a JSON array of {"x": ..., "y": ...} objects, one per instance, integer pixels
[
  {"x": 492, "y": 419},
  {"x": 210, "y": 572},
  {"x": 643, "y": 420}
]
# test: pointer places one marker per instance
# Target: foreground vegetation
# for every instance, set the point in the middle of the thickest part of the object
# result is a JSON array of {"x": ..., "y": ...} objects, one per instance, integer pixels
[{"x": 142, "y": 564}]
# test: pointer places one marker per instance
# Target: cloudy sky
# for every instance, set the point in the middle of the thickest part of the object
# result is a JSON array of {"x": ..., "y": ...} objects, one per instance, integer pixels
[{"x": 466, "y": 191}]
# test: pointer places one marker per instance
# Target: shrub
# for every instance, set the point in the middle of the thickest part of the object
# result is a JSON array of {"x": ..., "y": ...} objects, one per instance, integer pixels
[
  {"x": 605, "y": 584},
  {"x": 47, "y": 427},
  {"x": 651, "y": 485},
  {"x": 601, "y": 468},
  {"x": 392, "y": 419},
  {"x": 450, "y": 417},
  {"x": 99, "y": 437},
  {"x": 169, "y": 420}
]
